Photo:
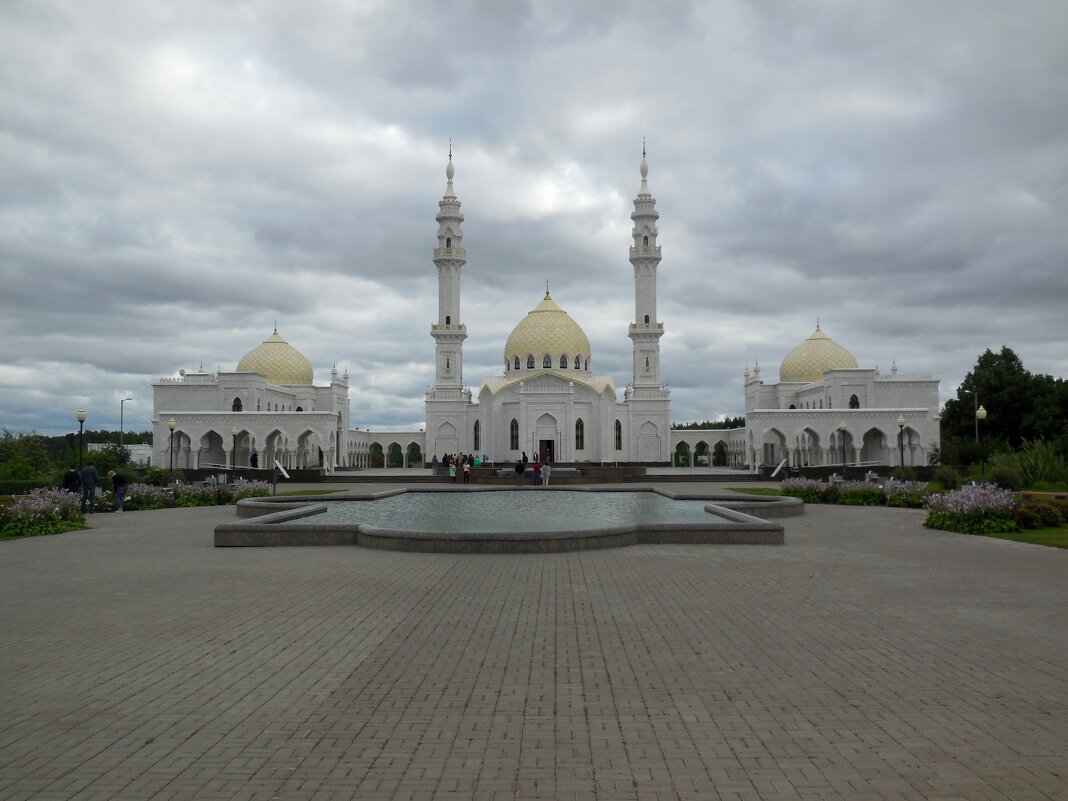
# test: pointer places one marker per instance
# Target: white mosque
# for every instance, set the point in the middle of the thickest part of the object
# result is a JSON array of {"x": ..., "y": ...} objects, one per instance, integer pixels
[{"x": 548, "y": 401}]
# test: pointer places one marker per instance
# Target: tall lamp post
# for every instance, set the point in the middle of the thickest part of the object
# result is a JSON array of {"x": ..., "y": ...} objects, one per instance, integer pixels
[
  {"x": 233, "y": 453},
  {"x": 841, "y": 435},
  {"x": 901, "y": 440},
  {"x": 122, "y": 402},
  {"x": 980, "y": 415},
  {"x": 172, "y": 424},
  {"x": 81, "y": 428}
]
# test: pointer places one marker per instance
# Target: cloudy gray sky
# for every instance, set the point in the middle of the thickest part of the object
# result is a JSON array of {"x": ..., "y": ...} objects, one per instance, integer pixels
[{"x": 176, "y": 176}]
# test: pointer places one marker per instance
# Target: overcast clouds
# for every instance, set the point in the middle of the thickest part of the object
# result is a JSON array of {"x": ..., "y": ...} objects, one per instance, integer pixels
[{"x": 176, "y": 176}]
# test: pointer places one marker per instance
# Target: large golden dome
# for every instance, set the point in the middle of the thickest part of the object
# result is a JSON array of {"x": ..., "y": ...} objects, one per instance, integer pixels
[
  {"x": 813, "y": 357},
  {"x": 547, "y": 330},
  {"x": 278, "y": 360}
]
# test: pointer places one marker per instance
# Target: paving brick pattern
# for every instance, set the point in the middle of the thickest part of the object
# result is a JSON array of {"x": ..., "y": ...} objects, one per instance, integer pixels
[{"x": 867, "y": 658}]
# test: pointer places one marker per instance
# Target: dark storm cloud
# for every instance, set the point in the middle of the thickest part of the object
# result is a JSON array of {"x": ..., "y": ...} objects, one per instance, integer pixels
[{"x": 175, "y": 178}]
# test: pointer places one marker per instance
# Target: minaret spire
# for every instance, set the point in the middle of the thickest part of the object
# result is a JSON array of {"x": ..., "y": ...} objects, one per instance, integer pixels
[
  {"x": 450, "y": 258},
  {"x": 645, "y": 331}
]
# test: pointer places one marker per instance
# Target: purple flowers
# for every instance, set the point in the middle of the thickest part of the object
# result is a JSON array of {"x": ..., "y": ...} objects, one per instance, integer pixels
[{"x": 984, "y": 509}]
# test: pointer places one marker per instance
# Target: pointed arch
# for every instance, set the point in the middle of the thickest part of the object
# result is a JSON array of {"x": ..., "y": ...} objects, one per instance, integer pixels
[
  {"x": 580, "y": 435},
  {"x": 530, "y": 361},
  {"x": 546, "y": 361},
  {"x": 236, "y": 405},
  {"x": 619, "y": 436},
  {"x": 513, "y": 435}
]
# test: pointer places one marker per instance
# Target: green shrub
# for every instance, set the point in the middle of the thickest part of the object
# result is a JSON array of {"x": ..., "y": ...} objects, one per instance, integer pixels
[
  {"x": 1035, "y": 462},
  {"x": 860, "y": 494},
  {"x": 1026, "y": 517},
  {"x": 947, "y": 477},
  {"x": 983, "y": 509},
  {"x": 1005, "y": 474},
  {"x": 157, "y": 477},
  {"x": 913, "y": 499},
  {"x": 1047, "y": 513}
]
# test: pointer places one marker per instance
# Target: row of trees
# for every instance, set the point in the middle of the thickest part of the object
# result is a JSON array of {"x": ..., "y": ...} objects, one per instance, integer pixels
[
  {"x": 34, "y": 459},
  {"x": 730, "y": 422},
  {"x": 1021, "y": 407}
]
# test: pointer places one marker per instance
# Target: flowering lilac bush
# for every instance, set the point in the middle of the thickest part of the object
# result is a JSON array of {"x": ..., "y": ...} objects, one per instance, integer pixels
[
  {"x": 984, "y": 509},
  {"x": 42, "y": 511},
  {"x": 146, "y": 496},
  {"x": 250, "y": 489},
  {"x": 856, "y": 493}
]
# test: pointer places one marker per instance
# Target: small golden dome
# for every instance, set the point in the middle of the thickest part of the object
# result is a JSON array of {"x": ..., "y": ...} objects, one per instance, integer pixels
[
  {"x": 547, "y": 329},
  {"x": 279, "y": 361},
  {"x": 813, "y": 357}
]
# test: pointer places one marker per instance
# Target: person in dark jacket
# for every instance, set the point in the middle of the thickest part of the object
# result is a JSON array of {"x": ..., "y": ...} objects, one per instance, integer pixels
[
  {"x": 72, "y": 482},
  {"x": 90, "y": 479},
  {"x": 119, "y": 485}
]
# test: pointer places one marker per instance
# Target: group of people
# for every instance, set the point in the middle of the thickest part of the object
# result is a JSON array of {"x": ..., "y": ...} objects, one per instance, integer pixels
[
  {"x": 87, "y": 481},
  {"x": 540, "y": 470},
  {"x": 467, "y": 461}
]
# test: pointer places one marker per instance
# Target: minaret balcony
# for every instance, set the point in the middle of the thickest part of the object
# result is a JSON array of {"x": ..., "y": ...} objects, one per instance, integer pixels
[
  {"x": 645, "y": 251},
  {"x": 450, "y": 253},
  {"x": 647, "y": 328},
  {"x": 450, "y": 328}
]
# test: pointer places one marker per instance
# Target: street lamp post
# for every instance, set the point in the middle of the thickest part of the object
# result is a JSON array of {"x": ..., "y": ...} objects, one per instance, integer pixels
[
  {"x": 122, "y": 402},
  {"x": 233, "y": 453},
  {"x": 841, "y": 435},
  {"x": 81, "y": 428},
  {"x": 901, "y": 439},
  {"x": 172, "y": 424},
  {"x": 980, "y": 414}
]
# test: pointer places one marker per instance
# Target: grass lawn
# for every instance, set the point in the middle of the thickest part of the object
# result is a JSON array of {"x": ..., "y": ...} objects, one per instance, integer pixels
[
  {"x": 756, "y": 490},
  {"x": 1054, "y": 537}
]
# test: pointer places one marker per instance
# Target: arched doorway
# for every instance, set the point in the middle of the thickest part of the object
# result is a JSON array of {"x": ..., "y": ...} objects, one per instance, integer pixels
[
  {"x": 682, "y": 454},
  {"x": 546, "y": 438}
]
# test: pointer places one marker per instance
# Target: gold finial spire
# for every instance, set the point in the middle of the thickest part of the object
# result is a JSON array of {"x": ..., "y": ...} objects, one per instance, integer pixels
[
  {"x": 643, "y": 147},
  {"x": 546, "y": 287},
  {"x": 276, "y": 326}
]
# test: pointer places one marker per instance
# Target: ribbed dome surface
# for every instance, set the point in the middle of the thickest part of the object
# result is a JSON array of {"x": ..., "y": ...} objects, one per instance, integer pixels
[
  {"x": 547, "y": 329},
  {"x": 813, "y": 357},
  {"x": 278, "y": 360}
]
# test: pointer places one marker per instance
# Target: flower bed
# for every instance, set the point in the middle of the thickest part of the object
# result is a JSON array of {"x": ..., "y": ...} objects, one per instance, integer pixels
[
  {"x": 985, "y": 509},
  {"x": 909, "y": 494},
  {"x": 41, "y": 511}
]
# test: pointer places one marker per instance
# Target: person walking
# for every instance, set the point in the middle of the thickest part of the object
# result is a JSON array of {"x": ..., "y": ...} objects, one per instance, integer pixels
[
  {"x": 90, "y": 480},
  {"x": 545, "y": 471},
  {"x": 72, "y": 482},
  {"x": 537, "y": 471},
  {"x": 452, "y": 470},
  {"x": 119, "y": 485}
]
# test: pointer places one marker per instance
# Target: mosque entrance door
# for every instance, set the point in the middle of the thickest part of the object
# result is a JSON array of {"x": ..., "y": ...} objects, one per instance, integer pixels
[{"x": 545, "y": 451}]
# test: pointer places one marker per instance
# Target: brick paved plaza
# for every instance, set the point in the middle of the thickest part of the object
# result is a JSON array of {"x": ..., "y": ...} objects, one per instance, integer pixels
[{"x": 867, "y": 658}]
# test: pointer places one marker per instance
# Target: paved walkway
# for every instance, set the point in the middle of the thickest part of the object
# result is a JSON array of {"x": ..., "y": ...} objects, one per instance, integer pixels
[{"x": 867, "y": 658}]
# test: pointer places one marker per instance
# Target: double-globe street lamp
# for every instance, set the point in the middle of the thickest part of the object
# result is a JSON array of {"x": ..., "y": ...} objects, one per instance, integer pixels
[
  {"x": 901, "y": 439},
  {"x": 172, "y": 424},
  {"x": 122, "y": 402},
  {"x": 980, "y": 415},
  {"x": 81, "y": 428},
  {"x": 233, "y": 454}
]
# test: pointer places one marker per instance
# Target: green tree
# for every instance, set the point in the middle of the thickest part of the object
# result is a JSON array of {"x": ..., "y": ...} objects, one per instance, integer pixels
[{"x": 1020, "y": 406}]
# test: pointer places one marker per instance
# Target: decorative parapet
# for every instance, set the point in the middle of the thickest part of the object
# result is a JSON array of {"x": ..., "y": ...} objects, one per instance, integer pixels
[
  {"x": 450, "y": 253},
  {"x": 645, "y": 251}
]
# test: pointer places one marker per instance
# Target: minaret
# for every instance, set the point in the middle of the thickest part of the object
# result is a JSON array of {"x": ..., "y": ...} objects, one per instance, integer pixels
[
  {"x": 450, "y": 257},
  {"x": 645, "y": 331}
]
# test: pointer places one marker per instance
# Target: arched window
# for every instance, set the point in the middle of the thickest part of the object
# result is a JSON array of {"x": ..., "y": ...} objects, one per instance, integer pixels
[
  {"x": 448, "y": 319},
  {"x": 587, "y": 362},
  {"x": 546, "y": 361},
  {"x": 513, "y": 435},
  {"x": 448, "y": 241},
  {"x": 647, "y": 319},
  {"x": 854, "y": 402},
  {"x": 530, "y": 362},
  {"x": 619, "y": 436},
  {"x": 300, "y": 409},
  {"x": 580, "y": 436},
  {"x": 645, "y": 241},
  {"x": 563, "y": 362},
  {"x": 478, "y": 435},
  {"x": 792, "y": 406},
  {"x": 516, "y": 362},
  {"x": 257, "y": 404},
  {"x": 237, "y": 405},
  {"x": 578, "y": 361}
]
